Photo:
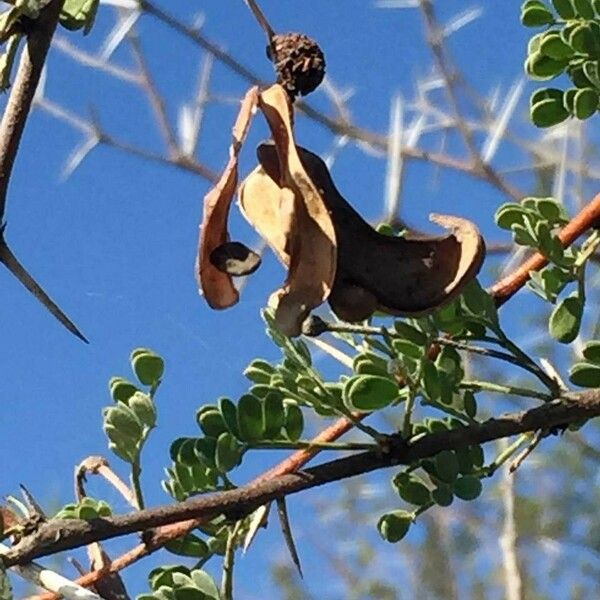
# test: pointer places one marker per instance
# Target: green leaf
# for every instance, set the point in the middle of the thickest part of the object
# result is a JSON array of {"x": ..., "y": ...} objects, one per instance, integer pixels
[
  {"x": 552, "y": 45},
  {"x": 147, "y": 366},
  {"x": 369, "y": 392},
  {"x": 431, "y": 381},
  {"x": 585, "y": 374},
  {"x": 510, "y": 213},
  {"x": 478, "y": 304},
  {"x": 182, "y": 450},
  {"x": 274, "y": 415},
  {"x": 229, "y": 414},
  {"x": 205, "y": 450},
  {"x": 470, "y": 404},
  {"x": 590, "y": 68},
  {"x": 548, "y": 113},
  {"x": 468, "y": 488},
  {"x": 446, "y": 466},
  {"x": 205, "y": 584},
  {"x": 411, "y": 489},
  {"x": 393, "y": 526},
  {"x": 407, "y": 348},
  {"x": 564, "y": 8},
  {"x": 551, "y": 281},
  {"x": 123, "y": 419},
  {"x": 541, "y": 67},
  {"x": 143, "y": 407},
  {"x": 259, "y": 371},
  {"x": 77, "y": 14},
  {"x": 581, "y": 39},
  {"x": 369, "y": 363},
  {"x": 410, "y": 333},
  {"x": 536, "y": 15},
  {"x": 211, "y": 421},
  {"x": 584, "y": 9},
  {"x": 534, "y": 43},
  {"x": 442, "y": 495},
  {"x": 465, "y": 460},
  {"x": 477, "y": 456},
  {"x": 228, "y": 453},
  {"x": 565, "y": 319},
  {"x": 585, "y": 103},
  {"x": 579, "y": 79},
  {"x": 449, "y": 363},
  {"x": 294, "y": 422},
  {"x": 591, "y": 351},
  {"x": 250, "y": 418},
  {"x": 552, "y": 210},
  {"x": 523, "y": 235},
  {"x": 121, "y": 389},
  {"x": 163, "y": 576}
]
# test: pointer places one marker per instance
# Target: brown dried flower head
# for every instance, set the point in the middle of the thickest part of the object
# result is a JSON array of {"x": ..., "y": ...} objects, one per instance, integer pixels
[{"x": 299, "y": 62}]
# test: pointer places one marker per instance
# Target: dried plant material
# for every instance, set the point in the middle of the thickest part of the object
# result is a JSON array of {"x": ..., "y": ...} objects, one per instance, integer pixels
[
  {"x": 259, "y": 201},
  {"x": 303, "y": 219},
  {"x": 217, "y": 286},
  {"x": 299, "y": 62},
  {"x": 397, "y": 275},
  {"x": 235, "y": 258}
]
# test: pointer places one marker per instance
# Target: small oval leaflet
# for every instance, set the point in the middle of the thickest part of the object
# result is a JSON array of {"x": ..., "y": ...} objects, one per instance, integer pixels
[
  {"x": 585, "y": 374},
  {"x": 394, "y": 526},
  {"x": 369, "y": 392}
]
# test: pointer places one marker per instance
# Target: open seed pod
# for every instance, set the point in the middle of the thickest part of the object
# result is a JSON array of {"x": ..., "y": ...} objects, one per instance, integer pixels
[
  {"x": 400, "y": 276},
  {"x": 215, "y": 280},
  {"x": 303, "y": 223}
]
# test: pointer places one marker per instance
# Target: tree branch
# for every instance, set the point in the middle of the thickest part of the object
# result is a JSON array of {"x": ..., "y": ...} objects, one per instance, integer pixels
[
  {"x": 57, "y": 536},
  {"x": 23, "y": 91},
  {"x": 11, "y": 131}
]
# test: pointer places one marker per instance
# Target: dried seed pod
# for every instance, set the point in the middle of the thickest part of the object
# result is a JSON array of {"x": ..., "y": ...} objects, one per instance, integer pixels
[{"x": 299, "y": 62}]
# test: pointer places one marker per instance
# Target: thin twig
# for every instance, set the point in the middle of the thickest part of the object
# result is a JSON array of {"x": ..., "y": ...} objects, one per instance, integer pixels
[
  {"x": 435, "y": 39},
  {"x": 260, "y": 17},
  {"x": 229, "y": 561},
  {"x": 537, "y": 438},
  {"x": 98, "y": 465},
  {"x": 508, "y": 539},
  {"x": 156, "y": 99}
]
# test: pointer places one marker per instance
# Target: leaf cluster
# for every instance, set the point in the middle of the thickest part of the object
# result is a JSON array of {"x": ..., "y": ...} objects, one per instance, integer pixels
[{"x": 570, "y": 44}]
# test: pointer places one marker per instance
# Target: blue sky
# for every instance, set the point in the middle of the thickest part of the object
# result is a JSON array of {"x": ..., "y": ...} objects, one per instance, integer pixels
[{"x": 115, "y": 243}]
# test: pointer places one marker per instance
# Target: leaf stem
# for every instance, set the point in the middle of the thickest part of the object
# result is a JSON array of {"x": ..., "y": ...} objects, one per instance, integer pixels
[
  {"x": 310, "y": 444},
  {"x": 136, "y": 472},
  {"x": 228, "y": 563},
  {"x": 506, "y": 454},
  {"x": 497, "y": 388}
]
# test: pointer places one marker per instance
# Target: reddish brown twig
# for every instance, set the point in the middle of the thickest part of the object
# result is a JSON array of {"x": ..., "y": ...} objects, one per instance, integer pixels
[{"x": 507, "y": 287}]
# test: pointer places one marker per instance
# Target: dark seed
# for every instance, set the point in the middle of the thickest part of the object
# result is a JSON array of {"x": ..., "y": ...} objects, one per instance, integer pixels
[{"x": 235, "y": 259}]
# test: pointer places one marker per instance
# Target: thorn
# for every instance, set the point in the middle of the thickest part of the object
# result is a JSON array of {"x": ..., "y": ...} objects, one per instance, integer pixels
[
  {"x": 32, "y": 504},
  {"x": 287, "y": 533},
  {"x": 11, "y": 262}
]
